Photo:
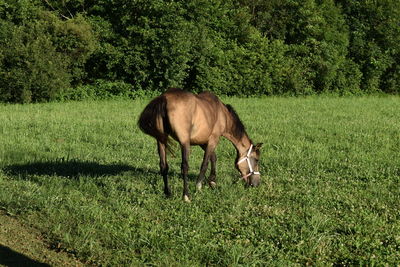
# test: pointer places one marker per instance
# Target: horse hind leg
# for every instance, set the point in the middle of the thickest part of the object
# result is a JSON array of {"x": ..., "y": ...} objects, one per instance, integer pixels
[
  {"x": 180, "y": 124},
  {"x": 164, "y": 167}
]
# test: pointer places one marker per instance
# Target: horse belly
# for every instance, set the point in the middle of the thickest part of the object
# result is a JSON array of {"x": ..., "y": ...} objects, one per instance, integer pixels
[
  {"x": 204, "y": 123},
  {"x": 200, "y": 135}
]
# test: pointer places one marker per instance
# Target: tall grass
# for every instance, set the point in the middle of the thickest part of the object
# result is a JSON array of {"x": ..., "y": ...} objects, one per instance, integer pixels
[{"x": 83, "y": 174}]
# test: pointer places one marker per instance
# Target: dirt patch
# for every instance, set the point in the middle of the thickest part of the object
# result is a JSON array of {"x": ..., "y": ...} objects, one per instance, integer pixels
[{"x": 21, "y": 245}]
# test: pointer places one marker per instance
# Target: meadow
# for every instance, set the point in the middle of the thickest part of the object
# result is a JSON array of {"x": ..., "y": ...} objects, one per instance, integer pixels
[{"x": 85, "y": 176}]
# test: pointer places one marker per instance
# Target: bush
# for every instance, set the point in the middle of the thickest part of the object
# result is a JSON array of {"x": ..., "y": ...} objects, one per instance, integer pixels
[
  {"x": 31, "y": 69},
  {"x": 375, "y": 42},
  {"x": 40, "y": 54},
  {"x": 102, "y": 89},
  {"x": 79, "y": 49}
]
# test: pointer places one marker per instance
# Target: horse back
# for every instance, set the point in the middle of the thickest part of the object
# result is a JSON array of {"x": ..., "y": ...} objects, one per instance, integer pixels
[
  {"x": 208, "y": 96},
  {"x": 185, "y": 116}
]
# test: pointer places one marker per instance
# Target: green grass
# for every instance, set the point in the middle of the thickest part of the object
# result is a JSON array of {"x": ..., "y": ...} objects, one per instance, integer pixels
[{"x": 83, "y": 174}]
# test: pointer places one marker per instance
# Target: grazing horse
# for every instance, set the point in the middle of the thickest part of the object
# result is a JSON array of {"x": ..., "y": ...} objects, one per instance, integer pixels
[{"x": 198, "y": 120}]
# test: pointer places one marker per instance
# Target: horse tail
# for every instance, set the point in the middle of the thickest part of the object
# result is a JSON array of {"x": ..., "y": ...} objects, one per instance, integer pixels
[{"x": 154, "y": 121}]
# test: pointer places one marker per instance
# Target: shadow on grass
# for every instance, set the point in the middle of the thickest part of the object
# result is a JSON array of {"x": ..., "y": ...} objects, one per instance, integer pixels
[
  {"x": 68, "y": 169},
  {"x": 74, "y": 169},
  {"x": 9, "y": 257}
]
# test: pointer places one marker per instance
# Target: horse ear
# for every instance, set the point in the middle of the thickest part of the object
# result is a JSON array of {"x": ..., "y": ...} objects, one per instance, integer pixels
[{"x": 258, "y": 146}]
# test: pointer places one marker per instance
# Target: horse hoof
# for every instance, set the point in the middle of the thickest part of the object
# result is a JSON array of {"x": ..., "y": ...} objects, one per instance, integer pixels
[
  {"x": 199, "y": 186},
  {"x": 186, "y": 199},
  {"x": 213, "y": 184}
]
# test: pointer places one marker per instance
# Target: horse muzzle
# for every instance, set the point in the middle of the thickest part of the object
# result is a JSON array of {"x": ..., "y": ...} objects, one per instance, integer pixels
[{"x": 252, "y": 179}]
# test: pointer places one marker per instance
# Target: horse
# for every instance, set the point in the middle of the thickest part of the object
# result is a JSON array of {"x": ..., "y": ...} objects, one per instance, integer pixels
[{"x": 199, "y": 120}]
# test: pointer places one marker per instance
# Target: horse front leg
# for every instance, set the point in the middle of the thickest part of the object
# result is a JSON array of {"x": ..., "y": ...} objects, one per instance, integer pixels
[
  {"x": 209, "y": 155},
  {"x": 164, "y": 167},
  {"x": 184, "y": 169},
  {"x": 213, "y": 173}
]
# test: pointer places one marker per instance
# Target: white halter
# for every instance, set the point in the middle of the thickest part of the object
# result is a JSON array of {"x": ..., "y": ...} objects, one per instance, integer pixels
[{"x": 247, "y": 159}]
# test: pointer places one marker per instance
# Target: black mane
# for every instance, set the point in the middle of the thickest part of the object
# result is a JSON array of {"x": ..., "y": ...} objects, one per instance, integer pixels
[{"x": 238, "y": 129}]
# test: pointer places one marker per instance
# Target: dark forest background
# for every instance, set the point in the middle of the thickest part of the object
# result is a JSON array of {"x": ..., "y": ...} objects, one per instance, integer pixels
[{"x": 79, "y": 49}]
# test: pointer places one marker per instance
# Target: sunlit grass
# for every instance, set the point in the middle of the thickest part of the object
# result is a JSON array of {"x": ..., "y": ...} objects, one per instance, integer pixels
[{"x": 84, "y": 174}]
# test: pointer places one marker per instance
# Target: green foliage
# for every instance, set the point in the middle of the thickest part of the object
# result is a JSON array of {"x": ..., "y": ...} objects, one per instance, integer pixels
[
  {"x": 75, "y": 40},
  {"x": 30, "y": 67},
  {"x": 41, "y": 55},
  {"x": 317, "y": 39},
  {"x": 375, "y": 42},
  {"x": 234, "y": 47},
  {"x": 98, "y": 90},
  {"x": 229, "y": 47},
  {"x": 102, "y": 89}
]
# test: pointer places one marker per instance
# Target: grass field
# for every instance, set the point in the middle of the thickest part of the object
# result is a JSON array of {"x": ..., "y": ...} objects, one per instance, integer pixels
[{"x": 84, "y": 175}]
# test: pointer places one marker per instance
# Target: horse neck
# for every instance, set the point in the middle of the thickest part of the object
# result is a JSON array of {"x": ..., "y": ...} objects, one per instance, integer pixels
[{"x": 242, "y": 144}]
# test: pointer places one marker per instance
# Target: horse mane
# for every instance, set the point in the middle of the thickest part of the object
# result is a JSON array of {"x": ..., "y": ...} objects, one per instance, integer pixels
[{"x": 238, "y": 129}]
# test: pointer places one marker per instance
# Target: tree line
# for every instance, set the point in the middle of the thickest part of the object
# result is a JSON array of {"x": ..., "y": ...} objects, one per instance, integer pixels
[{"x": 76, "y": 49}]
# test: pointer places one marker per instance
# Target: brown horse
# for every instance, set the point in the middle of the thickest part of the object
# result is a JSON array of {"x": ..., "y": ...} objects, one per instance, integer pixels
[{"x": 198, "y": 120}]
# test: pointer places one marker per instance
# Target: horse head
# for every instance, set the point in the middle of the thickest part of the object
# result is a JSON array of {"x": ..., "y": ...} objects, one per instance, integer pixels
[{"x": 248, "y": 165}]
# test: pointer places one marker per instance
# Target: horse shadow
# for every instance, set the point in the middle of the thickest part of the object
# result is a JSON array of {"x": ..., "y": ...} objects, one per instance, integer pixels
[{"x": 74, "y": 169}]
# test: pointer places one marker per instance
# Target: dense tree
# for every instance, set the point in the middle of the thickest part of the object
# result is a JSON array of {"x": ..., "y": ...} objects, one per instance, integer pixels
[
  {"x": 52, "y": 49},
  {"x": 41, "y": 55},
  {"x": 375, "y": 42}
]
